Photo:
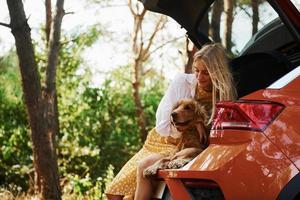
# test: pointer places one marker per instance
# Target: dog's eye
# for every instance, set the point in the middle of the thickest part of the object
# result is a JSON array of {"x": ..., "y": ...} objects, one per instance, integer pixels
[{"x": 187, "y": 108}]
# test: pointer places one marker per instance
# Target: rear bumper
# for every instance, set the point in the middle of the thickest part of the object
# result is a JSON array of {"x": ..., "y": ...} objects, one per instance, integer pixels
[{"x": 252, "y": 169}]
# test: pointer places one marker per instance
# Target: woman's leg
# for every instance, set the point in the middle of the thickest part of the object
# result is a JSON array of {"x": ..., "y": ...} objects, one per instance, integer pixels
[
  {"x": 124, "y": 183},
  {"x": 114, "y": 197},
  {"x": 144, "y": 187}
]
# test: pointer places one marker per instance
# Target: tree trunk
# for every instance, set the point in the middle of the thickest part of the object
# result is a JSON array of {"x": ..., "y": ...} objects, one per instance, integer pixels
[
  {"x": 137, "y": 99},
  {"x": 48, "y": 19},
  {"x": 215, "y": 21},
  {"x": 37, "y": 104},
  {"x": 190, "y": 51},
  {"x": 255, "y": 15},
  {"x": 228, "y": 9},
  {"x": 141, "y": 52},
  {"x": 50, "y": 93},
  {"x": 137, "y": 48}
]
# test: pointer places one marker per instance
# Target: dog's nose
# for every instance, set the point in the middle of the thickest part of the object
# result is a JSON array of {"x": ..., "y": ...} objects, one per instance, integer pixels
[{"x": 174, "y": 115}]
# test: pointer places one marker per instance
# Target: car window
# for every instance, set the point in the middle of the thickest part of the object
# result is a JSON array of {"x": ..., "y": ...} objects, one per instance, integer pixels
[
  {"x": 259, "y": 42},
  {"x": 247, "y": 20},
  {"x": 296, "y": 3}
]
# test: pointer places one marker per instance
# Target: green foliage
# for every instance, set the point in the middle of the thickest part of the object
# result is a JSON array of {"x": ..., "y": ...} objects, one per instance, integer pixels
[
  {"x": 98, "y": 126},
  {"x": 10, "y": 80},
  {"x": 104, "y": 121},
  {"x": 15, "y": 146}
]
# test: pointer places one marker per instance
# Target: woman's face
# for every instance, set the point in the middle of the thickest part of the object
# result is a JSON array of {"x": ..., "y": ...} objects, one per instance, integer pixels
[{"x": 202, "y": 75}]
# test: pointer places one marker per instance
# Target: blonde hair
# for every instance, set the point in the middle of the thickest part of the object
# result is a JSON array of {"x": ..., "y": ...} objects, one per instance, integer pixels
[{"x": 216, "y": 62}]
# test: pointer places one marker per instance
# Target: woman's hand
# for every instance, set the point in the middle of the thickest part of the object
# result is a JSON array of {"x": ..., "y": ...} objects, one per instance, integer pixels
[{"x": 186, "y": 153}]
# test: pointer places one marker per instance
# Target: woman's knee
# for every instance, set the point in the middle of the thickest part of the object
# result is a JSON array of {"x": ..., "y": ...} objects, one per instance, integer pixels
[
  {"x": 148, "y": 161},
  {"x": 143, "y": 164}
]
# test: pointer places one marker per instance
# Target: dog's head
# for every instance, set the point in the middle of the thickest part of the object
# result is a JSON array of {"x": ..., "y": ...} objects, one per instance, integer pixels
[
  {"x": 189, "y": 114},
  {"x": 186, "y": 113}
]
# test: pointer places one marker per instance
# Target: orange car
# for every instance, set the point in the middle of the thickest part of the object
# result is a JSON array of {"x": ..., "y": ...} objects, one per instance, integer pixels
[{"x": 254, "y": 150}]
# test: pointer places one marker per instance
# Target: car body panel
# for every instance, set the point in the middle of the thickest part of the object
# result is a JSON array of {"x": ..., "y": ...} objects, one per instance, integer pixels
[
  {"x": 284, "y": 131},
  {"x": 285, "y": 135},
  {"x": 256, "y": 168}
]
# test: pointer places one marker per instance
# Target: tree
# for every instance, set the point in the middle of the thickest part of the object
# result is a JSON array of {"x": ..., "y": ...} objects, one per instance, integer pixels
[
  {"x": 15, "y": 148},
  {"x": 246, "y": 5},
  {"x": 217, "y": 10},
  {"x": 255, "y": 15},
  {"x": 190, "y": 51},
  {"x": 40, "y": 101},
  {"x": 48, "y": 19},
  {"x": 228, "y": 9},
  {"x": 141, "y": 52}
]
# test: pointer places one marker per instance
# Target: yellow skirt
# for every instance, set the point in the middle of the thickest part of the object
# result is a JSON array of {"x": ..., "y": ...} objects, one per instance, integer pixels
[{"x": 125, "y": 181}]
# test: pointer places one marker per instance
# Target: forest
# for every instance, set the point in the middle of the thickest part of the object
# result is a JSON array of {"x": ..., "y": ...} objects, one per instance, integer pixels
[{"x": 65, "y": 136}]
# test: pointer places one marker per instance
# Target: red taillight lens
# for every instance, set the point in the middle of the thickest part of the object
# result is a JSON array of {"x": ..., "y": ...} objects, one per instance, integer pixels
[{"x": 249, "y": 115}]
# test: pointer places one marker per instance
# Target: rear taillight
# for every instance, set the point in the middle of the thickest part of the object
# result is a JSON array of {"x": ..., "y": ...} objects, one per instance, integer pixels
[{"x": 248, "y": 115}]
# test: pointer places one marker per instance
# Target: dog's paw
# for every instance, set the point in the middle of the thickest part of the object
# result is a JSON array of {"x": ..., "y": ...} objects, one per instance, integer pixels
[
  {"x": 178, "y": 163},
  {"x": 150, "y": 171}
]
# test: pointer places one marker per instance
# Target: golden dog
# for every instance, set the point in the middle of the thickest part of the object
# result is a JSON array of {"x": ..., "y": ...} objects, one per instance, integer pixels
[{"x": 189, "y": 118}]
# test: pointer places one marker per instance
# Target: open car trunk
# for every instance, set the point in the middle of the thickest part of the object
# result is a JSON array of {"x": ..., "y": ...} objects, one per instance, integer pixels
[{"x": 189, "y": 14}]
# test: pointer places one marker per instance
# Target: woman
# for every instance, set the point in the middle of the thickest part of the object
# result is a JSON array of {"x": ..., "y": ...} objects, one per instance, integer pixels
[{"x": 211, "y": 82}]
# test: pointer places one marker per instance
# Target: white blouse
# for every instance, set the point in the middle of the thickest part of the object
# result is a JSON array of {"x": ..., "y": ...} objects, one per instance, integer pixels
[{"x": 183, "y": 86}]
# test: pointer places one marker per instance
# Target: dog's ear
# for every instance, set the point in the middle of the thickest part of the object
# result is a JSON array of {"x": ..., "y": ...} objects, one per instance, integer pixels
[
  {"x": 201, "y": 123},
  {"x": 203, "y": 136},
  {"x": 201, "y": 113}
]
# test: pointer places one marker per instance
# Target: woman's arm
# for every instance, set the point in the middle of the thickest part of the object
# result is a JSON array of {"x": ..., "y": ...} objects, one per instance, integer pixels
[{"x": 178, "y": 89}]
